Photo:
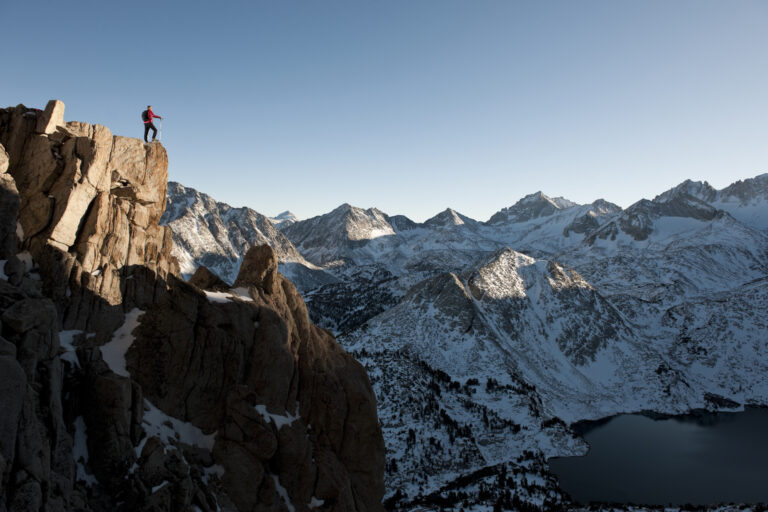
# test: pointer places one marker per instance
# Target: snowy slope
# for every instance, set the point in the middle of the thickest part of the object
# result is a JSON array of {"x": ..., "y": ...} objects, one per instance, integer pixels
[
  {"x": 284, "y": 219},
  {"x": 473, "y": 369},
  {"x": 563, "y": 228},
  {"x": 375, "y": 271},
  {"x": 532, "y": 206},
  {"x": 213, "y": 234},
  {"x": 337, "y": 235},
  {"x": 514, "y": 317},
  {"x": 746, "y": 200},
  {"x": 722, "y": 339},
  {"x": 558, "y": 349},
  {"x": 659, "y": 253}
]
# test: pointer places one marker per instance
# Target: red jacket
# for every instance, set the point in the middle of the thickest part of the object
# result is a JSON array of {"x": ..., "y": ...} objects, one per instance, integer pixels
[{"x": 152, "y": 116}]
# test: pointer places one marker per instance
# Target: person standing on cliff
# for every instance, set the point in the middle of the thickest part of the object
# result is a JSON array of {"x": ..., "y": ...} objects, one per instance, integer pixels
[{"x": 147, "y": 116}]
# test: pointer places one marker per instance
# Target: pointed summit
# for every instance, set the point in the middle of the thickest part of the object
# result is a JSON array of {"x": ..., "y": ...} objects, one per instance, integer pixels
[
  {"x": 449, "y": 217},
  {"x": 284, "y": 219},
  {"x": 335, "y": 235},
  {"x": 699, "y": 189},
  {"x": 530, "y": 207},
  {"x": 287, "y": 214},
  {"x": 344, "y": 207},
  {"x": 534, "y": 198},
  {"x": 401, "y": 223}
]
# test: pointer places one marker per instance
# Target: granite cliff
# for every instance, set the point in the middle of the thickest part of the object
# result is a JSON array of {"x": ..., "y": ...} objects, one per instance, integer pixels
[{"x": 124, "y": 387}]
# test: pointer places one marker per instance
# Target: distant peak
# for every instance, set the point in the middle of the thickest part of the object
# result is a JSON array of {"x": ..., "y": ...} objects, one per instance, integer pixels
[
  {"x": 605, "y": 206},
  {"x": 536, "y": 196},
  {"x": 530, "y": 207},
  {"x": 344, "y": 208},
  {"x": 284, "y": 219},
  {"x": 448, "y": 217},
  {"x": 698, "y": 189}
]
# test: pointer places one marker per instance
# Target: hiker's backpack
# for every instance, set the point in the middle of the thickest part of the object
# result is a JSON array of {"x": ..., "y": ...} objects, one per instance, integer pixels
[{"x": 145, "y": 116}]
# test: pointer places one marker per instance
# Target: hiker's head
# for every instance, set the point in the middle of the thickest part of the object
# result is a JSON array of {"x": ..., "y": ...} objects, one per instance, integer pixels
[{"x": 149, "y": 107}]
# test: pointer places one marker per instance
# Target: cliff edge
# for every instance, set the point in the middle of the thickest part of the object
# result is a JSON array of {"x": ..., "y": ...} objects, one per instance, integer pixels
[{"x": 125, "y": 388}]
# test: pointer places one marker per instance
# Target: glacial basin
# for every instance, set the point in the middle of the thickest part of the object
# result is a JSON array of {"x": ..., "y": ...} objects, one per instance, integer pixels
[{"x": 702, "y": 458}]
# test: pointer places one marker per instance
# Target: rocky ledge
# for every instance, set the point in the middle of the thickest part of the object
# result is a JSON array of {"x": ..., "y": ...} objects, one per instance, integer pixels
[{"x": 122, "y": 387}]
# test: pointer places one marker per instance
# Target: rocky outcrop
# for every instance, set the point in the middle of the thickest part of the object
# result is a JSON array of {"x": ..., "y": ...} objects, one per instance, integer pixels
[
  {"x": 89, "y": 209},
  {"x": 288, "y": 405},
  {"x": 125, "y": 388}
]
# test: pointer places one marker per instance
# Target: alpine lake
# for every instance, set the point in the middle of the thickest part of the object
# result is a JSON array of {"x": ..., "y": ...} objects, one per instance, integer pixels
[{"x": 703, "y": 458}]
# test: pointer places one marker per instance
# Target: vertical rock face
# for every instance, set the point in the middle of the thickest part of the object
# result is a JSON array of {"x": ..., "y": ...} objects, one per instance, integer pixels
[
  {"x": 229, "y": 399},
  {"x": 89, "y": 206}
]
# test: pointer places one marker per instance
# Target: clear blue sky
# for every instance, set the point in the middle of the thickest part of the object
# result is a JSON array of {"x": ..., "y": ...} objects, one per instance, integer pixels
[{"x": 411, "y": 106}]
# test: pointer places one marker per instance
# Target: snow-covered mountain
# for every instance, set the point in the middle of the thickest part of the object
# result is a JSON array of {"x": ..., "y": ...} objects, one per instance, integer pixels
[
  {"x": 532, "y": 206},
  {"x": 746, "y": 200},
  {"x": 514, "y": 317},
  {"x": 336, "y": 236},
  {"x": 449, "y": 218},
  {"x": 377, "y": 257},
  {"x": 215, "y": 235},
  {"x": 670, "y": 249},
  {"x": 559, "y": 350},
  {"x": 284, "y": 219},
  {"x": 483, "y": 339}
]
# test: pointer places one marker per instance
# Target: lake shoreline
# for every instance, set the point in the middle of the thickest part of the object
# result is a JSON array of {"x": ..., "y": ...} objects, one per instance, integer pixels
[
  {"x": 658, "y": 463},
  {"x": 581, "y": 427}
]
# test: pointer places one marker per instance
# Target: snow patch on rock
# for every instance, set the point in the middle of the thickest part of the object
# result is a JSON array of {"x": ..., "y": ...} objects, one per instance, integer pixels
[
  {"x": 80, "y": 452},
  {"x": 283, "y": 494},
  {"x": 65, "y": 341},
  {"x": 170, "y": 430},
  {"x": 114, "y": 351},
  {"x": 280, "y": 420}
]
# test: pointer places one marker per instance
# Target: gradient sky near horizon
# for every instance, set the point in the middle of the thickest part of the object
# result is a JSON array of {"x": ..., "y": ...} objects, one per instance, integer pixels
[{"x": 411, "y": 106}]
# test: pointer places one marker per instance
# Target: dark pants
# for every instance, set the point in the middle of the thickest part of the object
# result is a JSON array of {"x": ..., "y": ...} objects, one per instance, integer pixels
[{"x": 147, "y": 127}]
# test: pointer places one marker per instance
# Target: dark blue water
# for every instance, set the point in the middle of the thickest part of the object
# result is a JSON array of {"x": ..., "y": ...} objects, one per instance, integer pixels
[{"x": 703, "y": 459}]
